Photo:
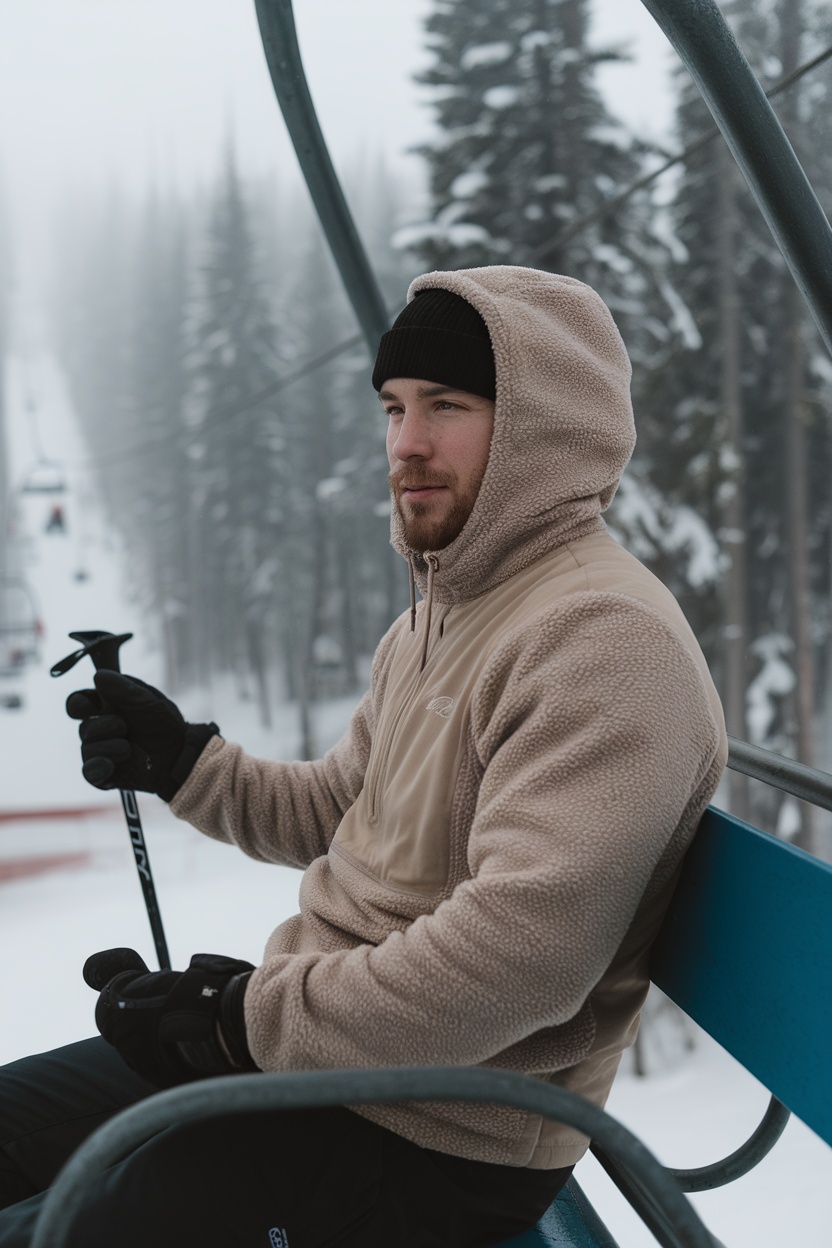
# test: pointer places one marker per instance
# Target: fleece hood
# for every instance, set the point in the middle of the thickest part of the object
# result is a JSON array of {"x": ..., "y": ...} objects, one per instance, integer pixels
[{"x": 563, "y": 425}]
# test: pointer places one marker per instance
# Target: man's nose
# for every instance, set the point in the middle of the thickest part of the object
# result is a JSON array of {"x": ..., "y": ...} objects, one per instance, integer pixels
[{"x": 412, "y": 439}]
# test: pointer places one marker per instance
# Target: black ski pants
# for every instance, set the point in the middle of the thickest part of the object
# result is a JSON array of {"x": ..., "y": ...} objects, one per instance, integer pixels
[{"x": 290, "y": 1179}]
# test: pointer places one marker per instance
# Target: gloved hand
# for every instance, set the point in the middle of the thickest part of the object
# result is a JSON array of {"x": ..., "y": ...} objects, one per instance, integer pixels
[
  {"x": 172, "y": 1027},
  {"x": 133, "y": 737}
]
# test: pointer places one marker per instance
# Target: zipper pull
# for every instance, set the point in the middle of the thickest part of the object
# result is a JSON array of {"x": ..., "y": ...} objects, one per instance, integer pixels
[{"x": 433, "y": 568}]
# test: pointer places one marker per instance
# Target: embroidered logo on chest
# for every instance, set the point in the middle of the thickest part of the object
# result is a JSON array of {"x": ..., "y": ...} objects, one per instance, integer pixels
[{"x": 441, "y": 706}]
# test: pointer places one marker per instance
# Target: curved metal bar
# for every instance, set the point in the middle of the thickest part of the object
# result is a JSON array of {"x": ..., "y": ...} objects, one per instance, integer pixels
[
  {"x": 235, "y": 1094},
  {"x": 700, "y": 1179},
  {"x": 280, "y": 43},
  {"x": 745, "y": 1158},
  {"x": 639, "y": 1197},
  {"x": 807, "y": 783},
  {"x": 703, "y": 40}
]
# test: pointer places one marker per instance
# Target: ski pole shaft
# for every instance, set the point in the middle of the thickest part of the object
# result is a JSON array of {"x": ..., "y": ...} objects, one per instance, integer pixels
[
  {"x": 140, "y": 854},
  {"x": 103, "y": 649}
]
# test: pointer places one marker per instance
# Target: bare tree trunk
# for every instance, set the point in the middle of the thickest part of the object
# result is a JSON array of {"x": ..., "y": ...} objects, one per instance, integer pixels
[
  {"x": 169, "y": 651},
  {"x": 199, "y": 661},
  {"x": 639, "y": 1056},
  {"x": 255, "y": 650},
  {"x": 345, "y": 572},
  {"x": 734, "y": 523},
  {"x": 796, "y": 474},
  {"x": 305, "y": 600},
  {"x": 796, "y": 503},
  {"x": 299, "y": 675}
]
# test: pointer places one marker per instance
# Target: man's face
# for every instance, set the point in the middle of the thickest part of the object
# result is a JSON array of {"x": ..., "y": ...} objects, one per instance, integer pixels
[{"x": 438, "y": 440}]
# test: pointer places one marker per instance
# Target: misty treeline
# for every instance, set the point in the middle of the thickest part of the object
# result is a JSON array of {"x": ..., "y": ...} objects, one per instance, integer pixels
[
  {"x": 256, "y": 527},
  {"x": 254, "y": 513}
]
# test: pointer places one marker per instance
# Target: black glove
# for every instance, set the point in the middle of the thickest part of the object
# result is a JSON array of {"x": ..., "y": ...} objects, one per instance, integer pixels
[
  {"x": 172, "y": 1027},
  {"x": 133, "y": 737}
]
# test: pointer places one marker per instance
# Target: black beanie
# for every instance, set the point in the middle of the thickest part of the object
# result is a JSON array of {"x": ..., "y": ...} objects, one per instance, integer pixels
[{"x": 438, "y": 337}]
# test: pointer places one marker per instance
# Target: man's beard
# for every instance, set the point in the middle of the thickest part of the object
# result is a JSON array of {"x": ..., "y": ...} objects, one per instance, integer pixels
[{"x": 423, "y": 530}]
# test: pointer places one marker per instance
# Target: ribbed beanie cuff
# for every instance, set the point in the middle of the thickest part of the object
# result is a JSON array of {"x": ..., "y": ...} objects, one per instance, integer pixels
[{"x": 439, "y": 337}]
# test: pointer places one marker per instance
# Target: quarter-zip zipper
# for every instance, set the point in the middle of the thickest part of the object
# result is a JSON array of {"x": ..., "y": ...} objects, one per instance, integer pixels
[
  {"x": 374, "y": 781},
  {"x": 433, "y": 566}
]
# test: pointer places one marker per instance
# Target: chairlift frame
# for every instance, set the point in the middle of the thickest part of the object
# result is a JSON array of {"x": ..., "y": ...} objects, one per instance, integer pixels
[
  {"x": 705, "y": 44},
  {"x": 30, "y": 484}
]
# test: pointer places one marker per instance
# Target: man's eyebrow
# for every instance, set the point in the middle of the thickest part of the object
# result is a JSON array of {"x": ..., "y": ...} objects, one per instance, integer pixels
[
  {"x": 424, "y": 392},
  {"x": 431, "y": 392}
]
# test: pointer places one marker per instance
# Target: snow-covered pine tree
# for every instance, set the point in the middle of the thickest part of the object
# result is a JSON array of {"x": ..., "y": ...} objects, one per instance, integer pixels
[
  {"x": 528, "y": 151},
  {"x": 235, "y": 445},
  {"x": 153, "y": 485},
  {"x": 338, "y": 592},
  {"x": 786, "y": 393},
  {"x": 377, "y": 587},
  {"x": 121, "y": 287},
  {"x": 802, "y": 394},
  {"x": 719, "y": 419},
  {"x": 527, "y": 146},
  {"x": 712, "y": 399},
  {"x": 302, "y": 598}
]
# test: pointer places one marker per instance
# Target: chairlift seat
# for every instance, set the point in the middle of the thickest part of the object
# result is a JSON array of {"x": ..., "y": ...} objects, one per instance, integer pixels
[
  {"x": 731, "y": 953},
  {"x": 733, "y": 949},
  {"x": 44, "y": 478}
]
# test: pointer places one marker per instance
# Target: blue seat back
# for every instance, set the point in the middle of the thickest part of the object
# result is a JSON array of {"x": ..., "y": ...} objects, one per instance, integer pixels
[
  {"x": 746, "y": 951},
  {"x": 569, "y": 1222}
]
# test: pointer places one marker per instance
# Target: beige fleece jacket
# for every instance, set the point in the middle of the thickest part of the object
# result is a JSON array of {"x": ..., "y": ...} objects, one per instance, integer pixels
[{"x": 491, "y": 847}]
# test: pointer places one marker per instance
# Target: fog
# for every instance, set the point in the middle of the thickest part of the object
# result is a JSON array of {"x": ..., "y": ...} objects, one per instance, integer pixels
[
  {"x": 120, "y": 209},
  {"x": 145, "y": 92}
]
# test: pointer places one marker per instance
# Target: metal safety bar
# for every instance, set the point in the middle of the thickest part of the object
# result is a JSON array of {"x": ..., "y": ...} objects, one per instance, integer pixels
[
  {"x": 257, "y": 1093},
  {"x": 639, "y": 1196},
  {"x": 784, "y": 195},
  {"x": 699, "y": 1179},
  {"x": 703, "y": 41},
  {"x": 698, "y": 31},
  {"x": 743, "y": 1159},
  {"x": 807, "y": 783}
]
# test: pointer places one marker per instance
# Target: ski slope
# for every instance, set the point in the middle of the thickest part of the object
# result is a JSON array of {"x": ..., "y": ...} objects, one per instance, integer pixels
[{"x": 693, "y": 1109}]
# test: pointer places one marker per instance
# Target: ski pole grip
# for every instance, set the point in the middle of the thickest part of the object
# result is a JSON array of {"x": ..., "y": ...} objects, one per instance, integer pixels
[{"x": 102, "y": 648}]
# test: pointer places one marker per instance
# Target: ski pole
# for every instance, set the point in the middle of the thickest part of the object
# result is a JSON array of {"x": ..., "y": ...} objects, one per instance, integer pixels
[{"x": 103, "y": 649}]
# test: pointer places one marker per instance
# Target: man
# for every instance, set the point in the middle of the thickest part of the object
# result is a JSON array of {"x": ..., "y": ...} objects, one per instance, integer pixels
[{"x": 489, "y": 850}]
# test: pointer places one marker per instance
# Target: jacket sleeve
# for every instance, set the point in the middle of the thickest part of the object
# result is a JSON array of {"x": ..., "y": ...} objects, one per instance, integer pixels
[
  {"x": 282, "y": 812},
  {"x": 598, "y": 746}
]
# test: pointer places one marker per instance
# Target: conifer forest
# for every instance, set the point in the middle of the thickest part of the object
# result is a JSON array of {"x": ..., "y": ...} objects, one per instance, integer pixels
[{"x": 225, "y": 398}]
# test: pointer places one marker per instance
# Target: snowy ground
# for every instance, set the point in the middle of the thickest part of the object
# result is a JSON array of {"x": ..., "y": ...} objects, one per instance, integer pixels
[{"x": 694, "y": 1109}]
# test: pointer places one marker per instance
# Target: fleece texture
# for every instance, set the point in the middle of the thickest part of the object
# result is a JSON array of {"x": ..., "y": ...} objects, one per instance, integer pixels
[
  {"x": 490, "y": 849},
  {"x": 563, "y": 424}
]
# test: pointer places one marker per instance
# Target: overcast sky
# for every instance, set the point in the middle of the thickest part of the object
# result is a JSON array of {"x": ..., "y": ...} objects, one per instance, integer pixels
[{"x": 96, "y": 91}]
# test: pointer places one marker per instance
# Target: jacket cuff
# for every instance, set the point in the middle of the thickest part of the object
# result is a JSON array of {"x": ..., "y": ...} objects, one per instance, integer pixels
[
  {"x": 197, "y": 737},
  {"x": 232, "y": 1022}
]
